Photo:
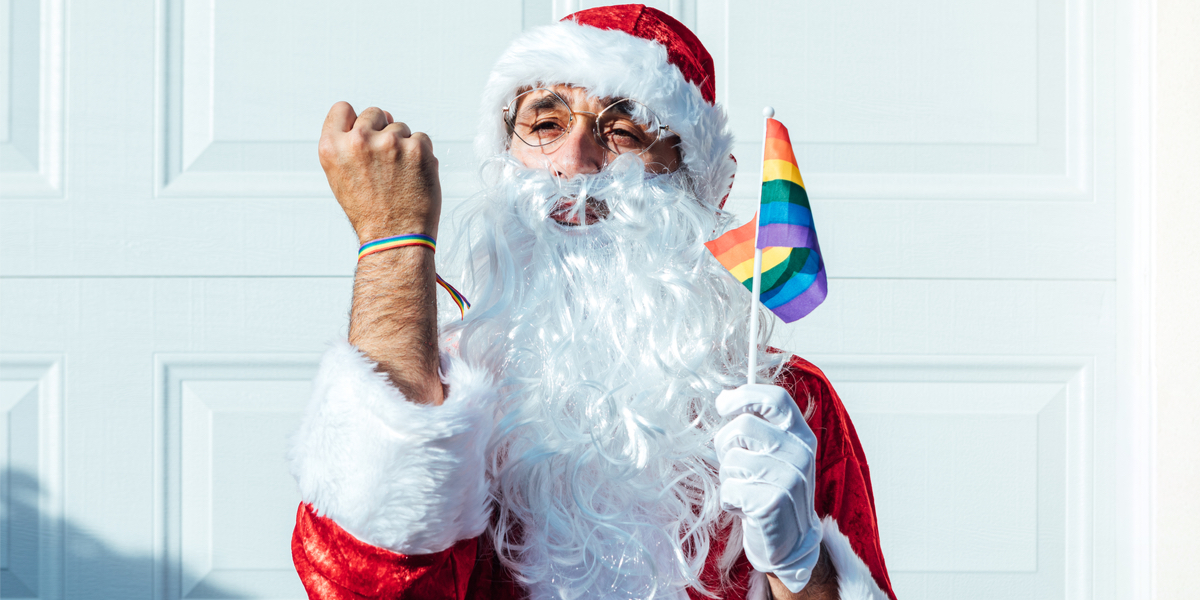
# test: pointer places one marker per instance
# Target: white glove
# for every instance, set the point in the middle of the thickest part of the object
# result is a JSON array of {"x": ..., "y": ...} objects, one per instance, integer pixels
[{"x": 767, "y": 456}]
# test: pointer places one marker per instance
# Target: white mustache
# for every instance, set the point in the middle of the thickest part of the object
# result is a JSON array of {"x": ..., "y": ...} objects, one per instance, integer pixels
[{"x": 606, "y": 193}]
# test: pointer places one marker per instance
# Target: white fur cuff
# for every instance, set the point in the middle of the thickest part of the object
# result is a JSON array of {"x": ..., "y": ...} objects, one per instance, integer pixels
[
  {"x": 854, "y": 577},
  {"x": 399, "y": 475}
]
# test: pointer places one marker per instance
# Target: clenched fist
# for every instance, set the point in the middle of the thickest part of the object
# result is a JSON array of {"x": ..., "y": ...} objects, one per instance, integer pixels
[{"x": 384, "y": 176}]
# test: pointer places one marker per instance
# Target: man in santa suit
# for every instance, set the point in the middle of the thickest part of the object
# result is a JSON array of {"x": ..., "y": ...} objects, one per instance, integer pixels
[{"x": 581, "y": 433}]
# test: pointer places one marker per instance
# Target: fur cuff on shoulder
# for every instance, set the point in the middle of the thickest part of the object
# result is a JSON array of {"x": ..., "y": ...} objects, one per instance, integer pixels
[
  {"x": 854, "y": 577},
  {"x": 402, "y": 476}
]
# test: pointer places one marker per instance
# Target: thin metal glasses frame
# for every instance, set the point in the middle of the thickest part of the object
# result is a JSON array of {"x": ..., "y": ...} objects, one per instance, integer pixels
[{"x": 509, "y": 115}]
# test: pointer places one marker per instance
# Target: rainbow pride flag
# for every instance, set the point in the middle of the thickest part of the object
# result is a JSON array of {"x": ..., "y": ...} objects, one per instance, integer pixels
[{"x": 793, "y": 274}]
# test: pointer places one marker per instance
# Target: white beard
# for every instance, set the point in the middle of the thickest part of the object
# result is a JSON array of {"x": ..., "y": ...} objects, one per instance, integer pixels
[{"x": 611, "y": 341}]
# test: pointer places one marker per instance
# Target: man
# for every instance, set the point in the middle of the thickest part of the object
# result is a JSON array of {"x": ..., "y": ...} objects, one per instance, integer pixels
[{"x": 579, "y": 434}]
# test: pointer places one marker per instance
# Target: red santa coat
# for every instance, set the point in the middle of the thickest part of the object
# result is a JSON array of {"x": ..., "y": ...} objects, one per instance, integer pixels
[{"x": 334, "y": 564}]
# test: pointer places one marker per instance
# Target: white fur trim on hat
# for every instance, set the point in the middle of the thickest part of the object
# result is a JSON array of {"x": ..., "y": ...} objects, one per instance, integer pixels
[
  {"x": 613, "y": 63},
  {"x": 398, "y": 475}
]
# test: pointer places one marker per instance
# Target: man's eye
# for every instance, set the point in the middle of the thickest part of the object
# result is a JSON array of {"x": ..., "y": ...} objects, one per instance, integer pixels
[
  {"x": 624, "y": 137},
  {"x": 547, "y": 126}
]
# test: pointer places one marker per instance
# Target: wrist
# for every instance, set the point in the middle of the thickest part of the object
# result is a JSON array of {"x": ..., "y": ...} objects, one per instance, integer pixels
[
  {"x": 414, "y": 259},
  {"x": 370, "y": 233}
]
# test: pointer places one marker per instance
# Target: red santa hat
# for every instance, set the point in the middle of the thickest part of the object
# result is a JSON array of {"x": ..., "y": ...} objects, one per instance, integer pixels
[{"x": 630, "y": 51}]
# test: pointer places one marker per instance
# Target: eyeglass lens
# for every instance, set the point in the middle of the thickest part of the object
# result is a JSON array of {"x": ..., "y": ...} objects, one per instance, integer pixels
[{"x": 540, "y": 117}]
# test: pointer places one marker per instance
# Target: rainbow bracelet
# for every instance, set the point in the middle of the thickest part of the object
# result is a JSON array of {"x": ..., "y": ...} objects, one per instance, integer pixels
[
  {"x": 399, "y": 241},
  {"x": 416, "y": 239}
]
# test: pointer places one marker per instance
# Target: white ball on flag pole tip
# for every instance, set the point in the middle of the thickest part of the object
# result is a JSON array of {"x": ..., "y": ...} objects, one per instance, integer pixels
[{"x": 768, "y": 112}]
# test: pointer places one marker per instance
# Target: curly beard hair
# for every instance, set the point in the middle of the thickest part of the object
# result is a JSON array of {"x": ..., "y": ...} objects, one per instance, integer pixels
[{"x": 611, "y": 342}]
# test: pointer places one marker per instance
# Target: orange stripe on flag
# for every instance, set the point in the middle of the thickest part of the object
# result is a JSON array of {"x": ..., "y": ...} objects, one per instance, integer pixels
[
  {"x": 736, "y": 254},
  {"x": 732, "y": 238},
  {"x": 775, "y": 129},
  {"x": 778, "y": 149}
]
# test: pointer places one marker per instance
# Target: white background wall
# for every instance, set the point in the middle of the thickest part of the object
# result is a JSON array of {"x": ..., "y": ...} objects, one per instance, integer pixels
[
  {"x": 171, "y": 265},
  {"x": 1177, "y": 290}
]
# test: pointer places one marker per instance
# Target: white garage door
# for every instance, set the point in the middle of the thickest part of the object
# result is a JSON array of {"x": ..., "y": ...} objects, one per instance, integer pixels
[{"x": 172, "y": 264}]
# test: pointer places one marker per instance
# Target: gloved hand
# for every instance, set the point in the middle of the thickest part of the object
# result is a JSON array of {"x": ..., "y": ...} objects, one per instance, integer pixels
[{"x": 767, "y": 458}]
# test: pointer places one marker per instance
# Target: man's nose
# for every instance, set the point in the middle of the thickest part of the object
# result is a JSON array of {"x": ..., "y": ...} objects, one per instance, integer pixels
[{"x": 579, "y": 153}]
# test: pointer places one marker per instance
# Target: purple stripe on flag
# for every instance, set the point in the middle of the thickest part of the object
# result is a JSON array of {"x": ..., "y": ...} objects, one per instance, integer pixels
[
  {"x": 805, "y": 303},
  {"x": 786, "y": 235}
]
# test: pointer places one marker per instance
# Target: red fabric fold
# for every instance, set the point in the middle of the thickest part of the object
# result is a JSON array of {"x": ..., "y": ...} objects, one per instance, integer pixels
[
  {"x": 334, "y": 564},
  {"x": 843, "y": 479}
]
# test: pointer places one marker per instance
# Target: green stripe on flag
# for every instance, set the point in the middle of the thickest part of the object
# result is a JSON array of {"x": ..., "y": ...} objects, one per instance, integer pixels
[
  {"x": 782, "y": 190},
  {"x": 784, "y": 270}
]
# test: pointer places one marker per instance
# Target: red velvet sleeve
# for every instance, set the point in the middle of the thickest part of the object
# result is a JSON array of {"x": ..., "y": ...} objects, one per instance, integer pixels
[
  {"x": 843, "y": 479},
  {"x": 334, "y": 565}
]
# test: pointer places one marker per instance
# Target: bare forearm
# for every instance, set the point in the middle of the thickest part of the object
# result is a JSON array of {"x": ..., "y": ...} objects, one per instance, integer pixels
[
  {"x": 821, "y": 586},
  {"x": 394, "y": 319},
  {"x": 386, "y": 180}
]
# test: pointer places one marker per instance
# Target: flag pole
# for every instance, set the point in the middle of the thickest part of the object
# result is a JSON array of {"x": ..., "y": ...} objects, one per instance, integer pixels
[{"x": 756, "y": 291}]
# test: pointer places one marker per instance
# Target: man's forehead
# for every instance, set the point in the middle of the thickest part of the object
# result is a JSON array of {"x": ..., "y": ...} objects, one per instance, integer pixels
[{"x": 575, "y": 95}]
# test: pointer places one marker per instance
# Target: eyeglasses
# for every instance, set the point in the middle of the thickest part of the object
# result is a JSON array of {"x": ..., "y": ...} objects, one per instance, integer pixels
[{"x": 542, "y": 118}]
